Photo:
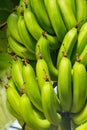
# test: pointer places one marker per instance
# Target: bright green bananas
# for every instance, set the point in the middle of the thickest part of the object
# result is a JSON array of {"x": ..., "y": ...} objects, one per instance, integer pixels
[
  {"x": 32, "y": 119},
  {"x": 67, "y": 14},
  {"x": 13, "y": 97},
  {"x": 20, "y": 50},
  {"x": 83, "y": 56},
  {"x": 31, "y": 86},
  {"x": 43, "y": 50},
  {"x": 72, "y": 5},
  {"x": 82, "y": 127},
  {"x": 82, "y": 38},
  {"x": 67, "y": 45},
  {"x": 12, "y": 111},
  {"x": 26, "y": 37},
  {"x": 64, "y": 84},
  {"x": 81, "y": 11},
  {"x": 79, "y": 87},
  {"x": 50, "y": 103},
  {"x": 42, "y": 72},
  {"x": 35, "y": 29},
  {"x": 13, "y": 27},
  {"x": 32, "y": 24},
  {"x": 56, "y": 19},
  {"x": 39, "y": 10},
  {"x": 16, "y": 73},
  {"x": 81, "y": 117}
]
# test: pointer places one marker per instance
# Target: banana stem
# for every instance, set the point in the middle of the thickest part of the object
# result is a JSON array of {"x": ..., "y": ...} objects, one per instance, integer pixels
[{"x": 66, "y": 123}]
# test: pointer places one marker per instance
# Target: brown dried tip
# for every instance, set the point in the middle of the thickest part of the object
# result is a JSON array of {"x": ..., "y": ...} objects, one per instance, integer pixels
[
  {"x": 46, "y": 78},
  {"x": 64, "y": 53},
  {"x": 22, "y": 91},
  {"x": 22, "y": 12},
  {"x": 9, "y": 77},
  {"x": 6, "y": 86},
  {"x": 15, "y": 57},
  {"x": 77, "y": 58},
  {"x": 25, "y": 61},
  {"x": 44, "y": 34}
]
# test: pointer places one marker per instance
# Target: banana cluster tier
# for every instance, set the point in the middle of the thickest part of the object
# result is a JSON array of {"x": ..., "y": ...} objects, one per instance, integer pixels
[{"x": 48, "y": 43}]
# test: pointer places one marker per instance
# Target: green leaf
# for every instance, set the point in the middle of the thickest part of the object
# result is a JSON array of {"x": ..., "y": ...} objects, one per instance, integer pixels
[
  {"x": 5, "y": 62},
  {"x": 6, "y": 7},
  {"x": 3, "y": 40}
]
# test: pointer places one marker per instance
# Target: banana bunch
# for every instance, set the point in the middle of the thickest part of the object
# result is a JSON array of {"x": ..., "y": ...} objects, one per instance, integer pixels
[
  {"x": 25, "y": 90},
  {"x": 48, "y": 43}
]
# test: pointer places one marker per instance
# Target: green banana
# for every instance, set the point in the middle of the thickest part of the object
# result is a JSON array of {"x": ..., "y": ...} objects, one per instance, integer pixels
[
  {"x": 32, "y": 25},
  {"x": 31, "y": 118},
  {"x": 43, "y": 50},
  {"x": 81, "y": 11},
  {"x": 82, "y": 127},
  {"x": 81, "y": 117},
  {"x": 82, "y": 39},
  {"x": 16, "y": 73},
  {"x": 20, "y": 50},
  {"x": 13, "y": 96},
  {"x": 26, "y": 37},
  {"x": 72, "y": 4},
  {"x": 55, "y": 18},
  {"x": 12, "y": 111},
  {"x": 67, "y": 45},
  {"x": 31, "y": 86},
  {"x": 83, "y": 56},
  {"x": 12, "y": 26},
  {"x": 79, "y": 87},
  {"x": 67, "y": 14},
  {"x": 39, "y": 10},
  {"x": 64, "y": 84},
  {"x": 42, "y": 72},
  {"x": 50, "y": 103},
  {"x": 35, "y": 29}
]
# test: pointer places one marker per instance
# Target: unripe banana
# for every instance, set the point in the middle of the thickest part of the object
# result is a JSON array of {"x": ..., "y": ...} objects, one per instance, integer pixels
[
  {"x": 67, "y": 14},
  {"x": 67, "y": 45},
  {"x": 43, "y": 50},
  {"x": 82, "y": 38},
  {"x": 39, "y": 10},
  {"x": 50, "y": 103},
  {"x": 12, "y": 26},
  {"x": 83, "y": 56},
  {"x": 56, "y": 19},
  {"x": 20, "y": 50},
  {"x": 64, "y": 84},
  {"x": 79, "y": 87},
  {"x": 13, "y": 96},
  {"x": 72, "y": 5},
  {"x": 11, "y": 110},
  {"x": 26, "y": 37},
  {"x": 35, "y": 29},
  {"x": 31, "y": 86},
  {"x": 81, "y": 11},
  {"x": 42, "y": 72},
  {"x": 31, "y": 118},
  {"x": 81, "y": 117},
  {"x": 16, "y": 73},
  {"x": 82, "y": 127},
  {"x": 32, "y": 25}
]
